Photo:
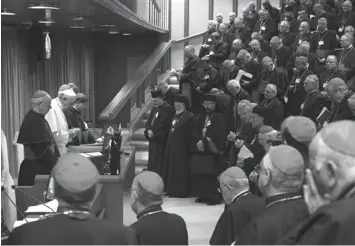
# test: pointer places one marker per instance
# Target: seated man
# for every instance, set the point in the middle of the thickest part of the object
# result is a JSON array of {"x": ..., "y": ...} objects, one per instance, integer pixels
[
  {"x": 243, "y": 206},
  {"x": 155, "y": 226},
  {"x": 76, "y": 182}
]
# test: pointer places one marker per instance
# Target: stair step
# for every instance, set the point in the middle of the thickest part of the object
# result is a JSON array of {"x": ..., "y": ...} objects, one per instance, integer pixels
[
  {"x": 140, "y": 144},
  {"x": 142, "y": 158},
  {"x": 138, "y": 135}
]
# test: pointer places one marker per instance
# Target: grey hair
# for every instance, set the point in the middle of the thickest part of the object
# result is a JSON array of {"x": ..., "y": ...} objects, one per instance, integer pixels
[{"x": 315, "y": 80}]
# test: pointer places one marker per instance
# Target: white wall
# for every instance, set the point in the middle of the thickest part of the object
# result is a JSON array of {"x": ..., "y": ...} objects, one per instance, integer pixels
[
  {"x": 177, "y": 19},
  {"x": 224, "y": 7},
  {"x": 143, "y": 9},
  {"x": 198, "y": 16}
]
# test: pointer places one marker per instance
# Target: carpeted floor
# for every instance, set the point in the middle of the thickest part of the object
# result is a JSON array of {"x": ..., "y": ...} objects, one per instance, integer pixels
[{"x": 200, "y": 218}]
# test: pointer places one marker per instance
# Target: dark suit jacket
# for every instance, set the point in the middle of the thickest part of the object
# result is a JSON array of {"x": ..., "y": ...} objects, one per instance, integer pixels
[
  {"x": 156, "y": 227},
  {"x": 232, "y": 120},
  {"x": 189, "y": 70},
  {"x": 221, "y": 51},
  {"x": 327, "y": 75},
  {"x": 267, "y": 29},
  {"x": 62, "y": 230},
  {"x": 228, "y": 39},
  {"x": 288, "y": 39},
  {"x": 259, "y": 55},
  {"x": 252, "y": 67},
  {"x": 207, "y": 79},
  {"x": 330, "y": 43},
  {"x": 243, "y": 34},
  {"x": 274, "y": 114},
  {"x": 282, "y": 56},
  {"x": 347, "y": 57},
  {"x": 331, "y": 19},
  {"x": 314, "y": 104},
  {"x": 294, "y": 26},
  {"x": 299, "y": 39}
]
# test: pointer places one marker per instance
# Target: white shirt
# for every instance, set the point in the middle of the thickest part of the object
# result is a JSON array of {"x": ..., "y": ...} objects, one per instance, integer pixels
[{"x": 59, "y": 125}]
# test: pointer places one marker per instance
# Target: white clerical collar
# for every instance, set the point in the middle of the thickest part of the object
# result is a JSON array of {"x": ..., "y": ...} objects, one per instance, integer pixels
[{"x": 59, "y": 104}]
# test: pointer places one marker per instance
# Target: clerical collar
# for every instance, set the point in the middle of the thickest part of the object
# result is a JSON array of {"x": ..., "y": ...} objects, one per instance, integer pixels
[
  {"x": 282, "y": 198},
  {"x": 36, "y": 111},
  {"x": 240, "y": 195},
  {"x": 60, "y": 104},
  {"x": 149, "y": 211}
]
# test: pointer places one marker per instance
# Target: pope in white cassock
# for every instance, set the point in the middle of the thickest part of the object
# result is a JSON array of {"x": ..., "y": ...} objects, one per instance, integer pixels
[{"x": 56, "y": 118}]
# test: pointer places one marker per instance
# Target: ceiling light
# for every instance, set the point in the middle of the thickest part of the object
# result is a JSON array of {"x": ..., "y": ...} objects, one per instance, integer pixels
[
  {"x": 126, "y": 34},
  {"x": 77, "y": 27},
  {"x": 5, "y": 12},
  {"x": 46, "y": 22},
  {"x": 41, "y": 6},
  {"x": 108, "y": 25}
]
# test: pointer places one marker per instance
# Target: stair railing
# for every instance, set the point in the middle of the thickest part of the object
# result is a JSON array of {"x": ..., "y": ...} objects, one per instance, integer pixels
[{"x": 134, "y": 92}]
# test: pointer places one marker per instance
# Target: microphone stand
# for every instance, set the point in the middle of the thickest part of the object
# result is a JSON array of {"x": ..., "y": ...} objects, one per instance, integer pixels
[{"x": 39, "y": 202}]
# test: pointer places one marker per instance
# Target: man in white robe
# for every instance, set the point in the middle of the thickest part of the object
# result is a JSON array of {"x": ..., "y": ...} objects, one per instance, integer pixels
[
  {"x": 56, "y": 118},
  {"x": 8, "y": 209}
]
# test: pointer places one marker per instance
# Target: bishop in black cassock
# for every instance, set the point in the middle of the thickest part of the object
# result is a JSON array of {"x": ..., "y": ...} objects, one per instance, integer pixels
[
  {"x": 41, "y": 151},
  {"x": 156, "y": 131},
  {"x": 176, "y": 169}
]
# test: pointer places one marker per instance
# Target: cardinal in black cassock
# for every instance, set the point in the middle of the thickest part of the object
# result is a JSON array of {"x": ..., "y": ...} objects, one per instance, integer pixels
[
  {"x": 156, "y": 131},
  {"x": 176, "y": 169},
  {"x": 207, "y": 150},
  {"x": 41, "y": 151},
  {"x": 242, "y": 207},
  {"x": 285, "y": 207}
]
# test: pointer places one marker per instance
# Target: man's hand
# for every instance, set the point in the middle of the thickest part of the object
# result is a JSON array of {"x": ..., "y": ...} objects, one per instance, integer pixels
[
  {"x": 211, "y": 53},
  {"x": 311, "y": 194},
  {"x": 231, "y": 136},
  {"x": 199, "y": 145},
  {"x": 240, "y": 162},
  {"x": 150, "y": 134},
  {"x": 239, "y": 143}
]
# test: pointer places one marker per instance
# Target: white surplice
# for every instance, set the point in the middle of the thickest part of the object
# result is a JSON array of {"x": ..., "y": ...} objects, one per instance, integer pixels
[{"x": 59, "y": 125}]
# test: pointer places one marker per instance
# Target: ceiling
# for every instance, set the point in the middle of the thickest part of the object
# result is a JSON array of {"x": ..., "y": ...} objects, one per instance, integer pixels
[{"x": 77, "y": 13}]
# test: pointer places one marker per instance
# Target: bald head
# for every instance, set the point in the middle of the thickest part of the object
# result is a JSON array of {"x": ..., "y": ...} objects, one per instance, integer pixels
[
  {"x": 223, "y": 28},
  {"x": 284, "y": 26},
  {"x": 349, "y": 30},
  {"x": 332, "y": 158},
  {"x": 211, "y": 26},
  {"x": 232, "y": 16},
  {"x": 41, "y": 102},
  {"x": 311, "y": 83},
  {"x": 346, "y": 41},
  {"x": 281, "y": 171},
  {"x": 238, "y": 22},
  {"x": 219, "y": 18},
  {"x": 233, "y": 181},
  {"x": 233, "y": 87},
  {"x": 243, "y": 56},
  {"x": 255, "y": 45},
  {"x": 147, "y": 190},
  {"x": 275, "y": 42},
  {"x": 255, "y": 35}
]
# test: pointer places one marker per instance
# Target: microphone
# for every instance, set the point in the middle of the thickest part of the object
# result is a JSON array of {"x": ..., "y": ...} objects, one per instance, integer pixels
[
  {"x": 39, "y": 202},
  {"x": 13, "y": 203}
]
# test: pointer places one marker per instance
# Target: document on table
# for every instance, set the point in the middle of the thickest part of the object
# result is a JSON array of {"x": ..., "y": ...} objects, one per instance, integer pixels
[
  {"x": 42, "y": 208},
  {"x": 245, "y": 153}
]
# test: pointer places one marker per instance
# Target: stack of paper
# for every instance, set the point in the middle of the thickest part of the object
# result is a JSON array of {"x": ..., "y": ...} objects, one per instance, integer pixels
[
  {"x": 21, "y": 222},
  {"x": 42, "y": 208}
]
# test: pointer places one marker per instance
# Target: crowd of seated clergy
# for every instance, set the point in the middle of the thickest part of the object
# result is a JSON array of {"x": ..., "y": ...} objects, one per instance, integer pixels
[{"x": 263, "y": 120}]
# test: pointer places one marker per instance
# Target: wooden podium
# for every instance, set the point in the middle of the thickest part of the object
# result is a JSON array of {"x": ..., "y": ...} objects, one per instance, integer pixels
[{"x": 110, "y": 197}]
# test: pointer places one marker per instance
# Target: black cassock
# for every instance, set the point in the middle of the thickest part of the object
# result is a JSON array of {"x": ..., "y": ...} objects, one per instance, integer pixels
[
  {"x": 64, "y": 230},
  {"x": 332, "y": 224},
  {"x": 283, "y": 212},
  {"x": 243, "y": 209},
  {"x": 157, "y": 227},
  {"x": 176, "y": 168},
  {"x": 206, "y": 185},
  {"x": 314, "y": 104},
  {"x": 159, "y": 122},
  {"x": 274, "y": 114},
  {"x": 41, "y": 151}
]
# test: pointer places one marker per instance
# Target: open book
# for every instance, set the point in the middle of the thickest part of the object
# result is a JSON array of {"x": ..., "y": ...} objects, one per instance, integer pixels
[
  {"x": 323, "y": 116},
  {"x": 245, "y": 153},
  {"x": 243, "y": 76}
]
